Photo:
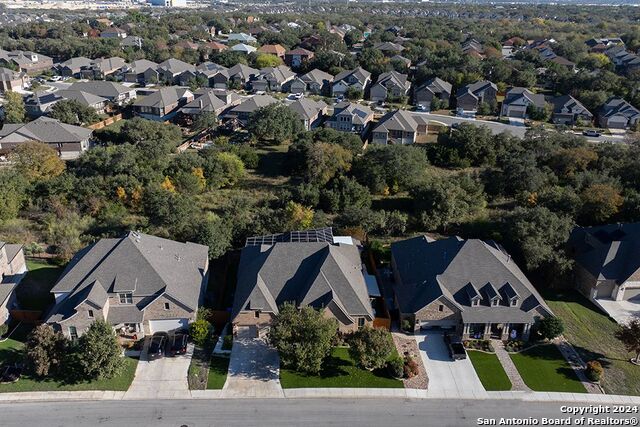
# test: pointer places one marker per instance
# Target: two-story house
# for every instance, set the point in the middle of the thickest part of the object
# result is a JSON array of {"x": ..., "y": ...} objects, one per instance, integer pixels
[
  {"x": 351, "y": 117},
  {"x": 315, "y": 81},
  {"x": 567, "y": 110},
  {"x": 432, "y": 89},
  {"x": 274, "y": 79},
  {"x": 519, "y": 101},
  {"x": 12, "y": 269},
  {"x": 469, "y": 97},
  {"x": 399, "y": 127},
  {"x": 162, "y": 104},
  {"x": 617, "y": 113},
  {"x": 296, "y": 57},
  {"x": 358, "y": 79},
  {"x": 390, "y": 86},
  {"x": 311, "y": 112}
]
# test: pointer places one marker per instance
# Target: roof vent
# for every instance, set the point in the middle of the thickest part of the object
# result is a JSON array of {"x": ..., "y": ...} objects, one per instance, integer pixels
[{"x": 136, "y": 235}]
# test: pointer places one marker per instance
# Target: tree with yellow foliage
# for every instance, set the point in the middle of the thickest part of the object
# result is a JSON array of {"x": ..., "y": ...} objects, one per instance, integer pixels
[
  {"x": 168, "y": 185},
  {"x": 298, "y": 217},
  {"x": 36, "y": 161}
]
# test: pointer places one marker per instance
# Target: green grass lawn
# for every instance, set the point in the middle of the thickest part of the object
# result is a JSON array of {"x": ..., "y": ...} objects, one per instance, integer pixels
[
  {"x": 592, "y": 334},
  {"x": 490, "y": 371},
  {"x": 339, "y": 371},
  {"x": 543, "y": 368},
  {"x": 11, "y": 350},
  {"x": 218, "y": 367},
  {"x": 33, "y": 292}
]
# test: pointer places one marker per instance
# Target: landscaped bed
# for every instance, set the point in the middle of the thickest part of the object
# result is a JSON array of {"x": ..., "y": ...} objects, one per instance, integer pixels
[
  {"x": 592, "y": 334},
  {"x": 489, "y": 370},
  {"x": 543, "y": 368},
  {"x": 218, "y": 368},
  {"x": 339, "y": 371}
]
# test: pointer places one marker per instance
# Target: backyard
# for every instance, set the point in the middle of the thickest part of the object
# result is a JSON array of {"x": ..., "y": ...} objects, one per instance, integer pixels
[
  {"x": 339, "y": 371},
  {"x": 489, "y": 371},
  {"x": 543, "y": 368},
  {"x": 34, "y": 290},
  {"x": 592, "y": 334}
]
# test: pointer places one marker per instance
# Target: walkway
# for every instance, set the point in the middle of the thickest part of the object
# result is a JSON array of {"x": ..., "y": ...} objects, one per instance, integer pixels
[
  {"x": 517, "y": 383},
  {"x": 254, "y": 368},
  {"x": 577, "y": 364}
]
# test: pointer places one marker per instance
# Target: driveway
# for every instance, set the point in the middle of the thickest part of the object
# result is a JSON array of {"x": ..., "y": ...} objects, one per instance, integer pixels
[
  {"x": 447, "y": 377},
  {"x": 620, "y": 311},
  {"x": 161, "y": 378},
  {"x": 254, "y": 368}
]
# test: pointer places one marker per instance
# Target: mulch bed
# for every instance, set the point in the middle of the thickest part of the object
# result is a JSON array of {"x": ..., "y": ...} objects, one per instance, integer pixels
[{"x": 408, "y": 346}]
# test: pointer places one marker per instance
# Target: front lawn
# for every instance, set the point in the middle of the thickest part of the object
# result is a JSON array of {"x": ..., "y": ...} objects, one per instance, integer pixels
[
  {"x": 591, "y": 333},
  {"x": 218, "y": 367},
  {"x": 339, "y": 371},
  {"x": 34, "y": 291},
  {"x": 11, "y": 351},
  {"x": 543, "y": 368},
  {"x": 489, "y": 370}
]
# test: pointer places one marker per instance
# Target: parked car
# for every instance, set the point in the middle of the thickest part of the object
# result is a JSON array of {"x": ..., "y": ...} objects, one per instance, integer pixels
[
  {"x": 591, "y": 132},
  {"x": 157, "y": 345},
  {"x": 421, "y": 107},
  {"x": 178, "y": 344},
  {"x": 456, "y": 348}
]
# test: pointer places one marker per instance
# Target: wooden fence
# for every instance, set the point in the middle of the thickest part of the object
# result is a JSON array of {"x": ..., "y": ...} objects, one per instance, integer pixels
[
  {"x": 33, "y": 317},
  {"x": 106, "y": 122}
]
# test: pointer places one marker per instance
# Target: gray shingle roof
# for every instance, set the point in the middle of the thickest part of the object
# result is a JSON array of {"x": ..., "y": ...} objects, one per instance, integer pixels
[
  {"x": 84, "y": 98},
  {"x": 44, "y": 129},
  {"x": 515, "y": 93},
  {"x": 254, "y": 103},
  {"x": 307, "y": 108},
  {"x": 101, "y": 88},
  {"x": 162, "y": 97},
  {"x": 316, "y": 76}
]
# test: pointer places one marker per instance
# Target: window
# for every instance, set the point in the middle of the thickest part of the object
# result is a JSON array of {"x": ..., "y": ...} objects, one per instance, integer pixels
[
  {"x": 441, "y": 307},
  {"x": 126, "y": 298},
  {"x": 475, "y": 302},
  {"x": 257, "y": 314},
  {"x": 167, "y": 306},
  {"x": 90, "y": 313},
  {"x": 360, "y": 322},
  {"x": 73, "y": 333},
  {"x": 514, "y": 302},
  {"x": 495, "y": 302}
]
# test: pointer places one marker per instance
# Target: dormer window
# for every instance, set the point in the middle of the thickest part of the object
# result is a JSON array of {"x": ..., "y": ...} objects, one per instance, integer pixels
[
  {"x": 126, "y": 298},
  {"x": 495, "y": 302},
  {"x": 514, "y": 302},
  {"x": 475, "y": 302}
]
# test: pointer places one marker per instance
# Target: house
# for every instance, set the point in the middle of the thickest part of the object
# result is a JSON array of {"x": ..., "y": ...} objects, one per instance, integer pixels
[
  {"x": 96, "y": 102},
  {"x": 113, "y": 33},
  {"x": 187, "y": 45},
  {"x": 162, "y": 104},
  {"x": 114, "y": 92},
  {"x": 599, "y": 45},
  {"x": 242, "y": 112},
  {"x": 567, "y": 110},
  {"x": 311, "y": 112},
  {"x": 273, "y": 49},
  {"x": 607, "y": 267},
  {"x": 399, "y": 127},
  {"x": 140, "y": 284},
  {"x": 12, "y": 80},
  {"x": 38, "y": 104},
  {"x": 296, "y": 57},
  {"x": 310, "y": 268},
  {"x": 27, "y": 62},
  {"x": 13, "y": 268},
  {"x": 215, "y": 47},
  {"x": 240, "y": 74},
  {"x": 315, "y": 81},
  {"x": 216, "y": 75},
  {"x": 471, "y": 286},
  {"x": 617, "y": 113},
  {"x": 73, "y": 66},
  {"x": 389, "y": 48},
  {"x": 432, "y": 89},
  {"x": 103, "y": 67},
  {"x": 132, "y": 41},
  {"x": 358, "y": 79},
  {"x": 242, "y": 38},
  {"x": 141, "y": 71},
  {"x": 401, "y": 59},
  {"x": 518, "y": 101},
  {"x": 172, "y": 70},
  {"x": 210, "y": 100},
  {"x": 69, "y": 141},
  {"x": 275, "y": 79},
  {"x": 470, "y": 96},
  {"x": 474, "y": 48},
  {"x": 350, "y": 117},
  {"x": 390, "y": 86},
  {"x": 244, "y": 48}
]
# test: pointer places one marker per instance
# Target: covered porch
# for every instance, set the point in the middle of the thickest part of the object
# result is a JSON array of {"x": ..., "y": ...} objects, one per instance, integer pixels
[
  {"x": 502, "y": 323},
  {"x": 127, "y": 322}
]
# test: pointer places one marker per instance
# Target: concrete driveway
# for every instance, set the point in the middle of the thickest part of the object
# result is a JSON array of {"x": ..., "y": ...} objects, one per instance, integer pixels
[
  {"x": 620, "y": 311},
  {"x": 161, "y": 378},
  {"x": 447, "y": 377},
  {"x": 254, "y": 368}
]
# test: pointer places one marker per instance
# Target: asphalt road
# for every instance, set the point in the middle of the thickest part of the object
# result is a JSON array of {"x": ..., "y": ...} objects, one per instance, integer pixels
[{"x": 274, "y": 412}]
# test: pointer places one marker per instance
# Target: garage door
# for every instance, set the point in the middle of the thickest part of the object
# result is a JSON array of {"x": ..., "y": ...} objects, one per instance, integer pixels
[
  {"x": 632, "y": 294},
  {"x": 437, "y": 324},
  {"x": 167, "y": 325}
]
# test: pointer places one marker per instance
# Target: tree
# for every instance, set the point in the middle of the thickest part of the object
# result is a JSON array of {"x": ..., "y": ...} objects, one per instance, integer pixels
[
  {"x": 264, "y": 60},
  {"x": 298, "y": 217},
  {"x": 629, "y": 334},
  {"x": 216, "y": 234},
  {"x": 600, "y": 202},
  {"x": 14, "y": 110},
  {"x": 550, "y": 327},
  {"x": 13, "y": 193},
  {"x": 44, "y": 350},
  {"x": 391, "y": 168},
  {"x": 276, "y": 123},
  {"x": 72, "y": 112},
  {"x": 371, "y": 348},
  {"x": 99, "y": 353},
  {"x": 206, "y": 120},
  {"x": 354, "y": 93},
  {"x": 222, "y": 169},
  {"x": 36, "y": 161},
  {"x": 303, "y": 337},
  {"x": 199, "y": 331},
  {"x": 322, "y": 161}
]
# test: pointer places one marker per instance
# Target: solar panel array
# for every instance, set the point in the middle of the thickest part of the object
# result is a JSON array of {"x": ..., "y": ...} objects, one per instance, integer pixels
[{"x": 306, "y": 236}]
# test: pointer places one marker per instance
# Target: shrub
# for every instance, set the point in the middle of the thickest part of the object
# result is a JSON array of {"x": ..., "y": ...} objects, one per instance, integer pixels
[
  {"x": 410, "y": 367},
  {"x": 407, "y": 326},
  {"x": 4, "y": 328},
  {"x": 550, "y": 327},
  {"x": 370, "y": 347},
  {"x": 199, "y": 331},
  {"x": 594, "y": 370},
  {"x": 395, "y": 366},
  {"x": 227, "y": 342},
  {"x": 98, "y": 352},
  {"x": 45, "y": 350}
]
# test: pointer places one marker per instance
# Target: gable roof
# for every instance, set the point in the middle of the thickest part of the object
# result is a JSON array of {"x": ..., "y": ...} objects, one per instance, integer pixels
[
  {"x": 436, "y": 85},
  {"x": 280, "y": 74},
  {"x": 359, "y": 113},
  {"x": 394, "y": 77},
  {"x": 141, "y": 65},
  {"x": 475, "y": 88},
  {"x": 43, "y": 129},
  {"x": 243, "y": 71},
  {"x": 101, "y": 88},
  {"x": 163, "y": 97},
  {"x": 254, "y": 103},
  {"x": 176, "y": 66},
  {"x": 618, "y": 106},
  {"x": 359, "y": 73},
  {"x": 316, "y": 76},
  {"x": 84, "y": 98},
  {"x": 516, "y": 93},
  {"x": 307, "y": 108},
  {"x": 148, "y": 264},
  {"x": 569, "y": 104},
  {"x": 401, "y": 120},
  {"x": 206, "y": 101},
  {"x": 272, "y": 49}
]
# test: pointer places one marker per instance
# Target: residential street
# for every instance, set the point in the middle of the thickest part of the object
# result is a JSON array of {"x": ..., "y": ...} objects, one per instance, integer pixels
[{"x": 303, "y": 412}]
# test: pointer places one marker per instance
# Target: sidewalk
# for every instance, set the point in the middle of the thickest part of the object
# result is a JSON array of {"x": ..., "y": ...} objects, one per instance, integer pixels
[{"x": 517, "y": 383}]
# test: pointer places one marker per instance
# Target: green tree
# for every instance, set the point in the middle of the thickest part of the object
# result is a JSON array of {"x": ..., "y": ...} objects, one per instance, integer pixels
[
  {"x": 36, "y": 161},
  {"x": 275, "y": 123},
  {"x": 199, "y": 331},
  {"x": 264, "y": 60},
  {"x": 391, "y": 168},
  {"x": 223, "y": 169},
  {"x": 44, "y": 350},
  {"x": 14, "y": 110},
  {"x": 206, "y": 120},
  {"x": 600, "y": 202},
  {"x": 629, "y": 335},
  {"x": 216, "y": 234},
  {"x": 303, "y": 337},
  {"x": 73, "y": 112},
  {"x": 99, "y": 354},
  {"x": 13, "y": 194},
  {"x": 550, "y": 327},
  {"x": 322, "y": 161},
  {"x": 298, "y": 217},
  {"x": 371, "y": 347}
]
